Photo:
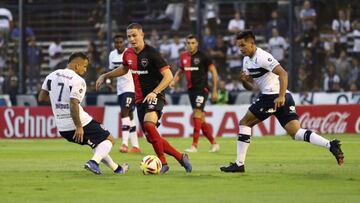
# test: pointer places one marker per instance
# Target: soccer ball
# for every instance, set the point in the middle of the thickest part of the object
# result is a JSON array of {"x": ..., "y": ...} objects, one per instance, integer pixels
[{"x": 150, "y": 165}]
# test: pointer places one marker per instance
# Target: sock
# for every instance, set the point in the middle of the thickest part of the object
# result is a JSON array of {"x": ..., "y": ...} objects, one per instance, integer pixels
[
  {"x": 125, "y": 130},
  {"x": 197, "y": 127},
  {"x": 312, "y": 137},
  {"x": 243, "y": 144},
  {"x": 170, "y": 150},
  {"x": 206, "y": 129},
  {"x": 152, "y": 135},
  {"x": 133, "y": 134},
  {"x": 102, "y": 150},
  {"x": 107, "y": 160}
]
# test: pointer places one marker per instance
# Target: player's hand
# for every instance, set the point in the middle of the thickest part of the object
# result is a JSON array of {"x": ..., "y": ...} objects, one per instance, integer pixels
[
  {"x": 243, "y": 76},
  {"x": 99, "y": 82},
  {"x": 79, "y": 135},
  {"x": 214, "y": 97},
  {"x": 150, "y": 97},
  {"x": 279, "y": 102}
]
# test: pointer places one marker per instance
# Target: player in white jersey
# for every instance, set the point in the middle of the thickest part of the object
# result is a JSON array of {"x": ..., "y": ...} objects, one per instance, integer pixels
[
  {"x": 65, "y": 89},
  {"x": 126, "y": 97},
  {"x": 264, "y": 70}
]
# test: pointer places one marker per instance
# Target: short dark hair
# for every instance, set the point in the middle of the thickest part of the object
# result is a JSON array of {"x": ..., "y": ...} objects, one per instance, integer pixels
[
  {"x": 245, "y": 35},
  {"x": 134, "y": 26},
  {"x": 191, "y": 36},
  {"x": 118, "y": 36},
  {"x": 77, "y": 55}
]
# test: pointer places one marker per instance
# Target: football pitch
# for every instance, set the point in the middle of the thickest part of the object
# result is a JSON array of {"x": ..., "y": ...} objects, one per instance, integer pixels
[{"x": 278, "y": 169}]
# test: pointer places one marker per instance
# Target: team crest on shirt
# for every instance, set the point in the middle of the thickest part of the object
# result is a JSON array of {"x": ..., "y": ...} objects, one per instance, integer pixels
[
  {"x": 129, "y": 62},
  {"x": 269, "y": 59},
  {"x": 80, "y": 91},
  {"x": 184, "y": 61},
  {"x": 196, "y": 61},
  {"x": 144, "y": 62}
]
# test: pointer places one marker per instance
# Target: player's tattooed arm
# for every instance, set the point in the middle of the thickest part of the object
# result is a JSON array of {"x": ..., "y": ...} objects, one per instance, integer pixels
[
  {"x": 247, "y": 81},
  {"x": 75, "y": 115},
  {"x": 283, "y": 78},
  {"x": 117, "y": 72},
  {"x": 164, "y": 83}
]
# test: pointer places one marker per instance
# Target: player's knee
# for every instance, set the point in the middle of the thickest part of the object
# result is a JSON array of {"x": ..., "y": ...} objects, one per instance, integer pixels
[
  {"x": 125, "y": 113},
  {"x": 197, "y": 113},
  {"x": 111, "y": 139}
]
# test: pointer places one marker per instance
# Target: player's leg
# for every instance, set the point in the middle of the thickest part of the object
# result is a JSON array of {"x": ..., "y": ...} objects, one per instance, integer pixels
[
  {"x": 133, "y": 135},
  {"x": 207, "y": 131},
  {"x": 108, "y": 161},
  {"x": 289, "y": 120},
  {"x": 124, "y": 102}
]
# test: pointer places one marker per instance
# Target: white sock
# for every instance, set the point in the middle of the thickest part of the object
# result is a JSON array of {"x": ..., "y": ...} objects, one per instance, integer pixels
[
  {"x": 312, "y": 137},
  {"x": 102, "y": 150},
  {"x": 125, "y": 130},
  {"x": 107, "y": 160},
  {"x": 133, "y": 134},
  {"x": 243, "y": 144}
]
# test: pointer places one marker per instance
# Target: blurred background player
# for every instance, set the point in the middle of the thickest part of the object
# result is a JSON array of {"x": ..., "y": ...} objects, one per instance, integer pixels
[
  {"x": 152, "y": 76},
  {"x": 65, "y": 89},
  {"x": 196, "y": 65},
  {"x": 261, "y": 68},
  {"x": 126, "y": 97}
]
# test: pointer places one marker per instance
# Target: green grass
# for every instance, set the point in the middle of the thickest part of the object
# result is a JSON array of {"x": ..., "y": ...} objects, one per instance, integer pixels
[{"x": 277, "y": 170}]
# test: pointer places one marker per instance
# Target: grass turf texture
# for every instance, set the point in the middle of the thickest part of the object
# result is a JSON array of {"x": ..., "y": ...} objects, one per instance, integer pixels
[{"x": 277, "y": 170}]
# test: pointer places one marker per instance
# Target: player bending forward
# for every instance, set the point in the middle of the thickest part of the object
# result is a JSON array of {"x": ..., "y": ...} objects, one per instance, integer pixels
[
  {"x": 264, "y": 70},
  {"x": 66, "y": 89}
]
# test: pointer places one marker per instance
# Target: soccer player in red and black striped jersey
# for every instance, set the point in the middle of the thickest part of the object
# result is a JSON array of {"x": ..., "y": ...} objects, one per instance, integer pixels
[
  {"x": 152, "y": 76},
  {"x": 196, "y": 65}
]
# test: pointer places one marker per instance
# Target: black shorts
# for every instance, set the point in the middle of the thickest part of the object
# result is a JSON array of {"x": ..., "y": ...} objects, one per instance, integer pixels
[
  {"x": 264, "y": 107},
  {"x": 198, "y": 99},
  {"x": 143, "y": 108},
  {"x": 127, "y": 100},
  {"x": 94, "y": 134}
]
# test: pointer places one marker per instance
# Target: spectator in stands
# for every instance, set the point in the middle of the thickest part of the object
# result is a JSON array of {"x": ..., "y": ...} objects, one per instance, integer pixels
[
  {"x": 342, "y": 67},
  {"x": 165, "y": 47},
  {"x": 235, "y": 85},
  {"x": 2, "y": 80},
  {"x": 223, "y": 93},
  {"x": 331, "y": 80},
  {"x": 218, "y": 54},
  {"x": 303, "y": 79},
  {"x": 209, "y": 39},
  {"x": 95, "y": 67},
  {"x": 354, "y": 87},
  {"x": 275, "y": 22},
  {"x": 341, "y": 27},
  {"x": 15, "y": 34},
  {"x": 356, "y": 36},
  {"x": 6, "y": 25},
  {"x": 192, "y": 10},
  {"x": 174, "y": 11},
  {"x": 176, "y": 47},
  {"x": 354, "y": 75},
  {"x": 2, "y": 52},
  {"x": 308, "y": 17},
  {"x": 154, "y": 38},
  {"x": 11, "y": 85},
  {"x": 277, "y": 46},
  {"x": 233, "y": 58},
  {"x": 212, "y": 16},
  {"x": 33, "y": 66},
  {"x": 55, "y": 54},
  {"x": 237, "y": 24}
]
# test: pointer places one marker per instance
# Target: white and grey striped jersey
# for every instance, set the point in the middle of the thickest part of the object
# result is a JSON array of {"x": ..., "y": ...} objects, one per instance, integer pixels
[
  {"x": 125, "y": 83},
  {"x": 62, "y": 85},
  {"x": 260, "y": 68}
]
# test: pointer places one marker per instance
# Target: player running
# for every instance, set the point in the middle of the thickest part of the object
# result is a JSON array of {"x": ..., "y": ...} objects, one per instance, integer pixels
[
  {"x": 65, "y": 89},
  {"x": 152, "y": 76},
  {"x": 196, "y": 65},
  {"x": 264, "y": 70}
]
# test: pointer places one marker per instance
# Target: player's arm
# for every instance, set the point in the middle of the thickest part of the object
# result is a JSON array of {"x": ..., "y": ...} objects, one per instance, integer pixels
[
  {"x": 43, "y": 96},
  {"x": 215, "y": 80},
  {"x": 117, "y": 72},
  {"x": 177, "y": 77},
  {"x": 247, "y": 81},
  {"x": 164, "y": 83},
  {"x": 75, "y": 115},
  {"x": 283, "y": 78}
]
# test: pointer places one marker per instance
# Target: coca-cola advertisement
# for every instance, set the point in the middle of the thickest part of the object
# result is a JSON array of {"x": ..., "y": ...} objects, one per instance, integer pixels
[
  {"x": 330, "y": 119},
  {"x": 34, "y": 122}
]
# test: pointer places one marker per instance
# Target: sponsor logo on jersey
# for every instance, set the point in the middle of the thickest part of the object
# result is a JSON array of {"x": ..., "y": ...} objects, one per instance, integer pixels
[
  {"x": 62, "y": 106},
  {"x": 140, "y": 72},
  {"x": 65, "y": 76},
  {"x": 191, "y": 68},
  {"x": 144, "y": 62},
  {"x": 271, "y": 110}
]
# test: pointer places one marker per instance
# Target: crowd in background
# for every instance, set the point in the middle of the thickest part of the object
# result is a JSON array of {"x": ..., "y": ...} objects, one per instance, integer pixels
[{"x": 326, "y": 53}]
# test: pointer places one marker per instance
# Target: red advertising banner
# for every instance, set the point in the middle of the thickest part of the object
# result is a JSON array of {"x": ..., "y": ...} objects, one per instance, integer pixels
[
  {"x": 330, "y": 119},
  {"x": 34, "y": 122}
]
